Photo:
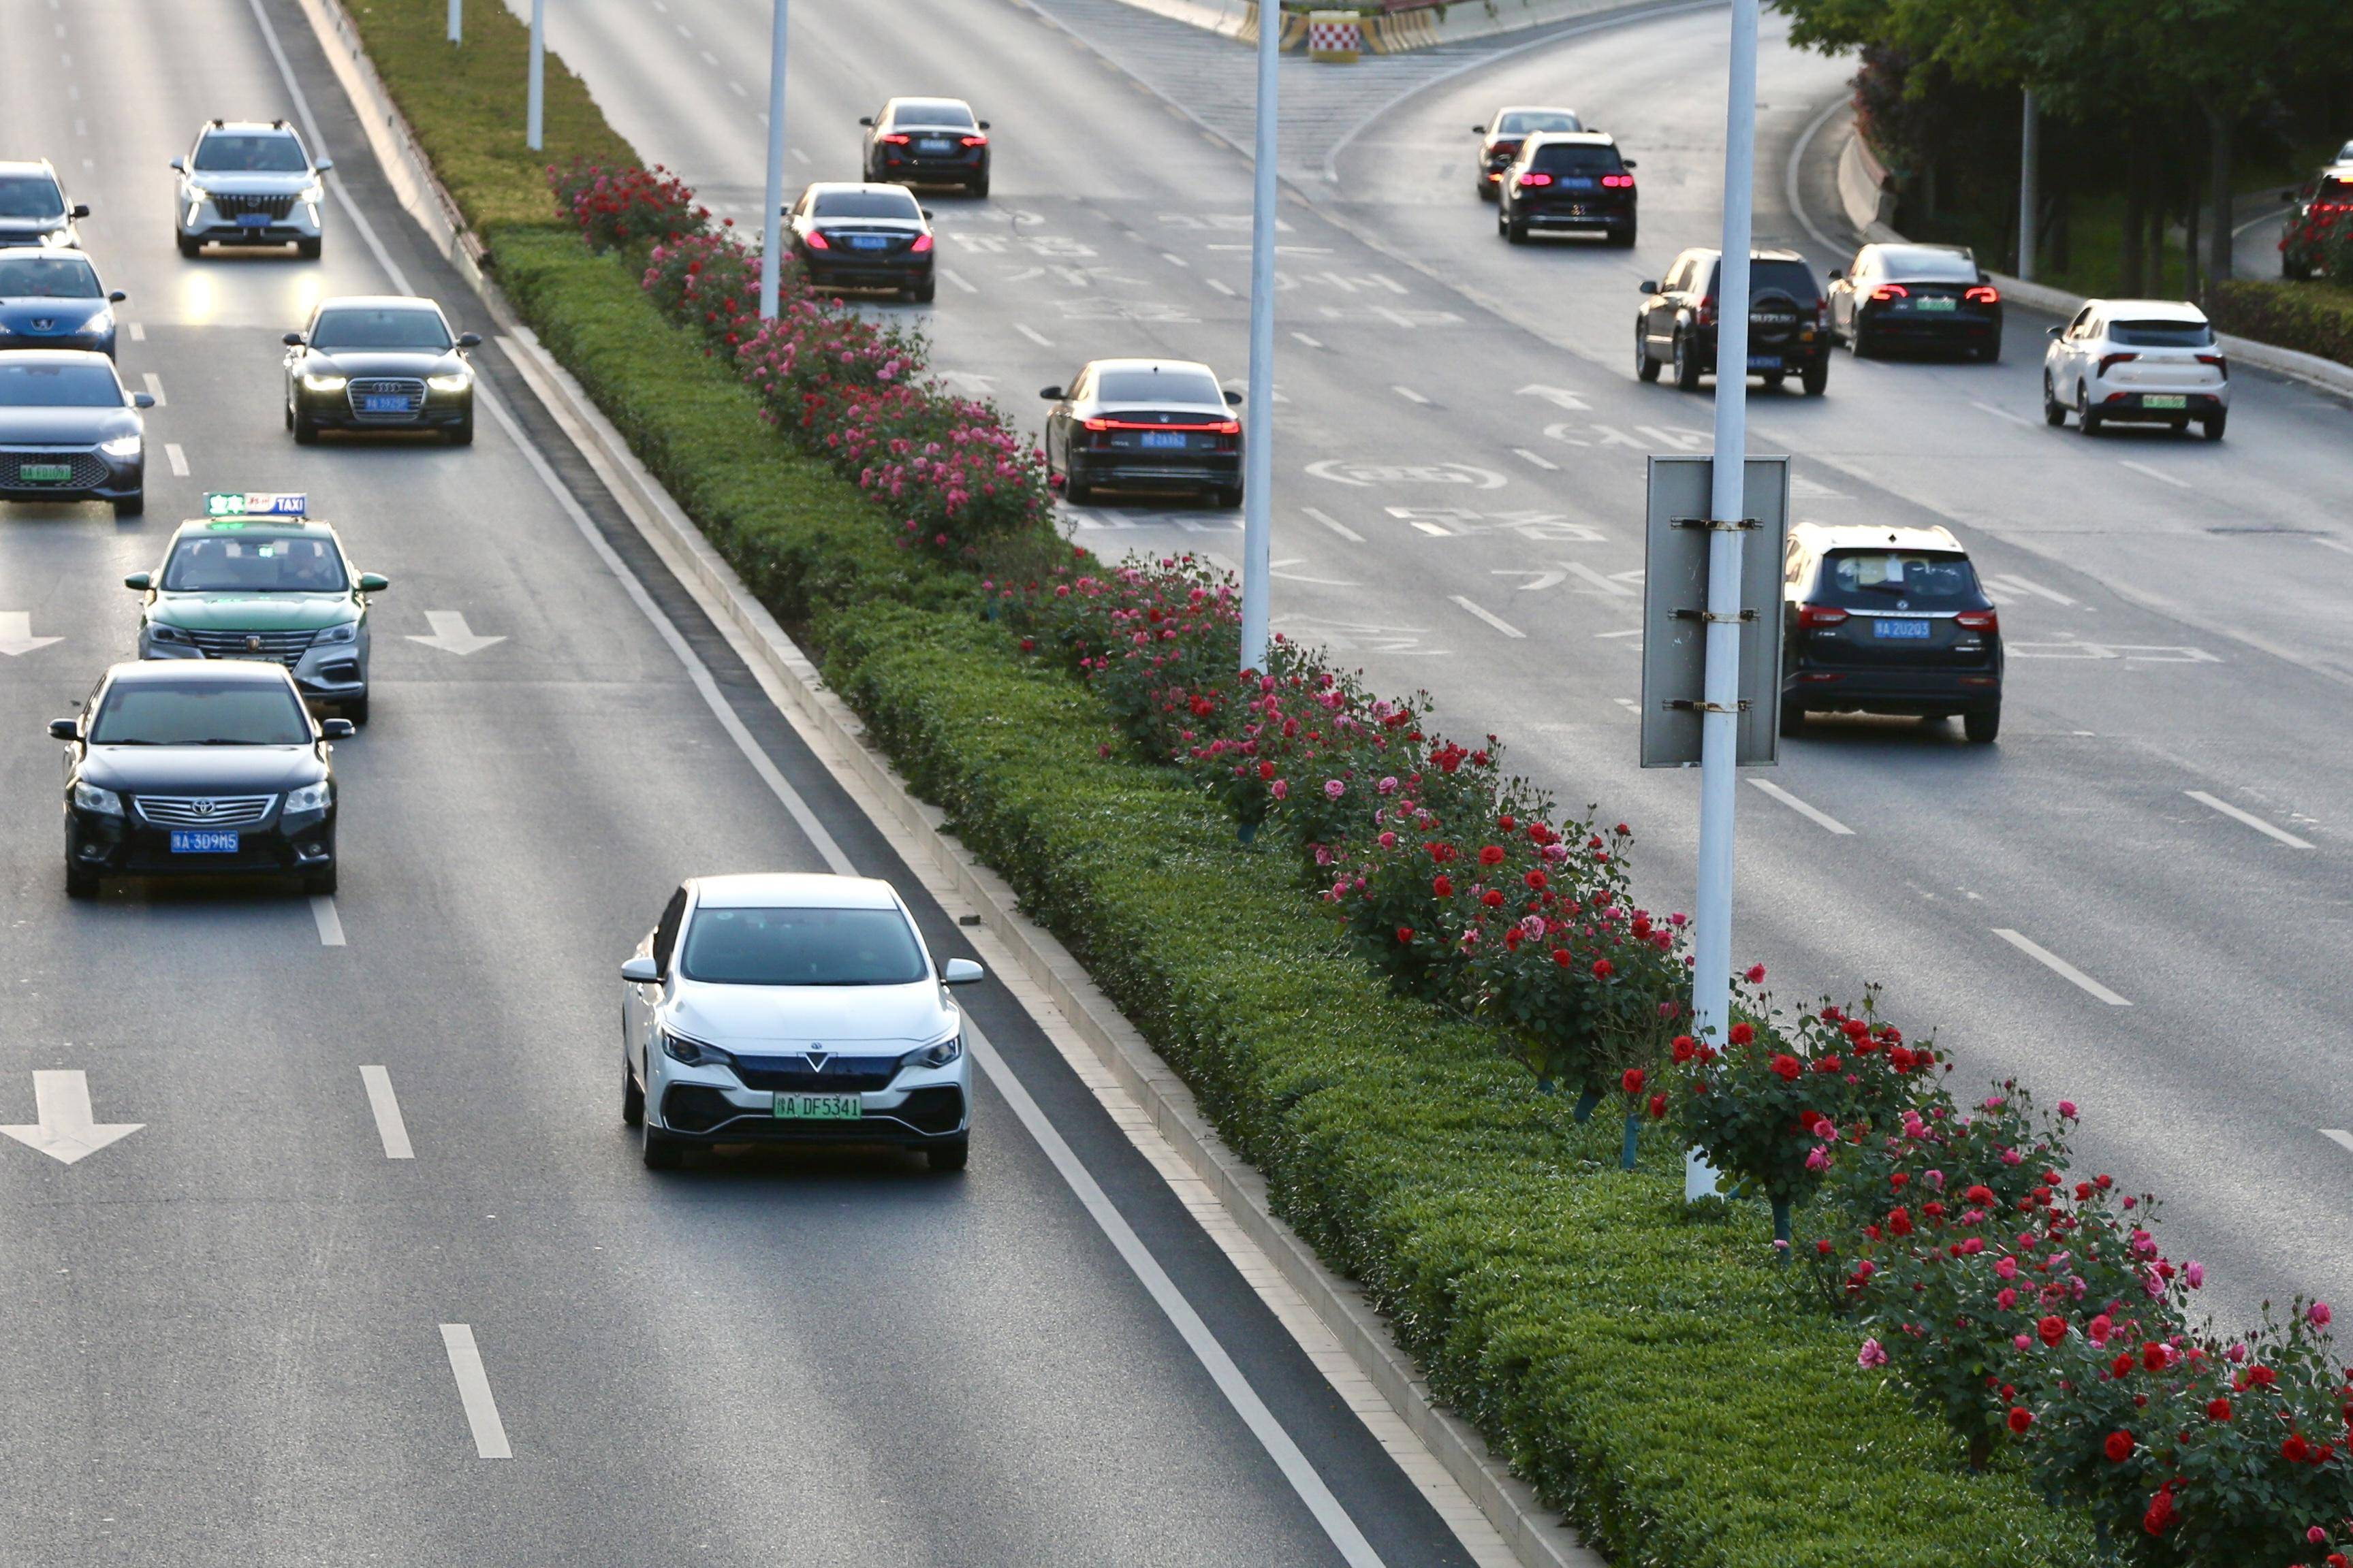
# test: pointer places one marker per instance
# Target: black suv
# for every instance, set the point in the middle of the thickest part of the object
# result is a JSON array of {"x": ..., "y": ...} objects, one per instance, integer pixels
[
  {"x": 1887, "y": 620},
  {"x": 1571, "y": 181},
  {"x": 1787, "y": 322}
]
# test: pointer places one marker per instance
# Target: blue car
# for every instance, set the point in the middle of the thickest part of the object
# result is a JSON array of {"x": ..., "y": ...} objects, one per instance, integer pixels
[{"x": 53, "y": 299}]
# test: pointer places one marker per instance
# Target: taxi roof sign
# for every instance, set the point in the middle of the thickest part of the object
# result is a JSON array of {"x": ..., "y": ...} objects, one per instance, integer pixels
[{"x": 255, "y": 503}]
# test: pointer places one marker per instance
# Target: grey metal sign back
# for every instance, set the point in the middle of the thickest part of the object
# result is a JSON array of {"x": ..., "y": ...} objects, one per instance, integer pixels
[{"x": 1674, "y": 602}]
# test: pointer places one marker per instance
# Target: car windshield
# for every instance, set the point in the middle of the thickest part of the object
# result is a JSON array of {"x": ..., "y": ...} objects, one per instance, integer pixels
[
  {"x": 47, "y": 278},
  {"x": 379, "y": 327},
  {"x": 1908, "y": 579},
  {"x": 58, "y": 386},
  {"x": 255, "y": 153},
  {"x": 247, "y": 562},
  {"x": 199, "y": 712},
  {"x": 1927, "y": 264},
  {"x": 933, "y": 111},
  {"x": 1188, "y": 384},
  {"x": 866, "y": 204},
  {"x": 2162, "y": 335},
  {"x": 30, "y": 195},
  {"x": 1794, "y": 278},
  {"x": 1576, "y": 158},
  {"x": 1527, "y": 122},
  {"x": 802, "y": 947}
]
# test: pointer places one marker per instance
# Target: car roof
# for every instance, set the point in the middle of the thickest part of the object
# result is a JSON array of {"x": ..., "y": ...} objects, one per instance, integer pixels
[
  {"x": 249, "y": 127},
  {"x": 1567, "y": 138},
  {"x": 826, "y": 187},
  {"x": 1536, "y": 109},
  {"x": 1762, "y": 253},
  {"x": 286, "y": 527},
  {"x": 27, "y": 166},
  {"x": 792, "y": 891},
  {"x": 381, "y": 302},
  {"x": 58, "y": 356},
  {"x": 1152, "y": 364},
  {"x": 1823, "y": 536},
  {"x": 2151, "y": 310},
  {"x": 927, "y": 98},
  {"x": 226, "y": 672}
]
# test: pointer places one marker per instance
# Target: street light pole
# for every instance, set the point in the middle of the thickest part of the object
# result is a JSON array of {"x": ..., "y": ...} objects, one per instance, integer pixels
[
  {"x": 2029, "y": 155},
  {"x": 534, "y": 115},
  {"x": 772, "y": 236},
  {"x": 1258, "y": 442},
  {"x": 457, "y": 21}
]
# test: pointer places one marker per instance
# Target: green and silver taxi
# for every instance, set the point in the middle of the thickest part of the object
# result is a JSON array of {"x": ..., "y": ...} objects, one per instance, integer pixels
[{"x": 256, "y": 579}]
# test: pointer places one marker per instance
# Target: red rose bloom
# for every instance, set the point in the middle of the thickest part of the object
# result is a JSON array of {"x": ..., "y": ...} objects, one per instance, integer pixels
[
  {"x": 1405, "y": 934},
  {"x": 2118, "y": 1447},
  {"x": 1741, "y": 1034},
  {"x": 1631, "y": 1080},
  {"x": 2153, "y": 1356},
  {"x": 1685, "y": 1047},
  {"x": 2218, "y": 1410},
  {"x": 2021, "y": 1418},
  {"x": 2124, "y": 1365},
  {"x": 1981, "y": 1196},
  {"x": 1603, "y": 969},
  {"x": 2052, "y": 1328},
  {"x": 1657, "y": 1108},
  {"x": 2160, "y": 1515},
  {"x": 1563, "y": 957},
  {"x": 1443, "y": 886},
  {"x": 1899, "y": 1222},
  {"x": 1493, "y": 855},
  {"x": 2295, "y": 1450}
]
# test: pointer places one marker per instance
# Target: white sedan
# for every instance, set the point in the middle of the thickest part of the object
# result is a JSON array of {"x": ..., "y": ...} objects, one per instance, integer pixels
[
  {"x": 793, "y": 1008},
  {"x": 2151, "y": 361}
]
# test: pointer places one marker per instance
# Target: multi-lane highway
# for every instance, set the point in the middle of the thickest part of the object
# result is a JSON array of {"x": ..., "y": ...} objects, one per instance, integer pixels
[
  {"x": 365, "y": 1267},
  {"x": 2134, "y": 899}
]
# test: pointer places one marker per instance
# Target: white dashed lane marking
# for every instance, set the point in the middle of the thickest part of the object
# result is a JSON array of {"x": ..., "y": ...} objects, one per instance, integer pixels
[
  {"x": 177, "y": 459},
  {"x": 330, "y": 922},
  {"x": 2250, "y": 818},
  {"x": 2059, "y": 966},
  {"x": 474, "y": 1392},
  {"x": 1821, "y": 818},
  {"x": 389, "y": 1126},
  {"x": 1490, "y": 616},
  {"x": 155, "y": 389}
]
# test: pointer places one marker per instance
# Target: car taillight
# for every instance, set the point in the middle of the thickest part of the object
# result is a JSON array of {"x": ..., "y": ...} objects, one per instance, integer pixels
[
  {"x": 1979, "y": 620},
  {"x": 1096, "y": 423},
  {"x": 1230, "y": 427},
  {"x": 922, "y": 243},
  {"x": 817, "y": 241},
  {"x": 1820, "y": 615},
  {"x": 1618, "y": 182},
  {"x": 1983, "y": 294},
  {"x": 1533, "y": 178},
  {"x": 1706, "y": 312},
  {"x": 1891, "y": 291},
  {"x": 976, "y": 141},
  {"x": 895, "y": 138},
  {"x": 2107, "y": 360},
  {"x": 2218, "y": 362}
]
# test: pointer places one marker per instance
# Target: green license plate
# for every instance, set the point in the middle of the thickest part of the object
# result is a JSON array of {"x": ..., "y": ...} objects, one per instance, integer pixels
[
  {"x": 2168, "y": 401},
  {"x": 818, "y": 1107},
  {"x": 44, "y": 473},
  {"x": 1932, "y": 303}
]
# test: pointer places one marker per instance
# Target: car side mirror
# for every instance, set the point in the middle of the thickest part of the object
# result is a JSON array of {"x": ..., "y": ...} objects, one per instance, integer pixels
[
  {"x": 322, "y": 166},
  {"x": 139, "y": 581},
  {"x": 926, "y": 212},
  {"x": 373, "y": 582},
  {"x": 963, "y": 971},
  {"x": 337, "y": 729},
  {"x": 865, "y": 120},
  {"x": 469, "y": 339},
  {"x": 2053, "y": 333},
  {"x": 1233, "y": 400},
  {"x": 117, "y": 297},
  {"x": 292, "y": 340},
  {"x": 81, "y": 209},
  {"x": 65, "y": 729},
  {"x": 1651, "y": 286},
  {"x": 1050, "y": 394},
  {"x": 984, "y": 124},
  {"x": 1478, "y": 131},
  {"x": 181, "y": 164},
  {"x": 142, "y": 400},
  {"x": 639, "y": 970},
  {"x": 1983, "y": 276},
  {"x": 1836, "y": 273},
  {"x": 1628, "y": 162}
]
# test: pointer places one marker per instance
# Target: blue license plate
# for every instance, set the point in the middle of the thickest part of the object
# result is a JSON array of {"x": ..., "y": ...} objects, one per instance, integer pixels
[
  {"x": 196, "y": 841},
  {"x": 1577, "y": 183},
  {"x": 1764, "y": 361},
  {"x": 1900, "y": 629},
  {"x": 393, "y": 404},
  {"x": 253, "y": 220},
  {"x": 1170, "y": 440},
  {"x": 869, "y": 241},
  {"x": 931, "y": 144}
]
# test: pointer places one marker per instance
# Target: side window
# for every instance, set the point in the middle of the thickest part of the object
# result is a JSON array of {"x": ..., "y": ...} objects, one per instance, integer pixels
[
  {"x": 1082, "y": 384},
  {"x": 665, "y": 931},
  {"x": 1678, "y": 276},
  {"x": 2081, "y": 326},
  {"x": 1794, "y": 568}
]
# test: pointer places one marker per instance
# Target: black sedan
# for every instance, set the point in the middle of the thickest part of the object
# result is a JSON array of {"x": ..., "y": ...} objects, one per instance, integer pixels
[
  {"x": 68, "y": 431},
  {"x": 928, "y": 142},
  {"x": 864, "y": 236},
  {"x": 1568, "y": 182},
  {"x": 1916, "y": 297},
  {"x": 210, "y": 768},
  {"x": 53, "y": 299},
  {"x": 1144, "y": 424},
  {"x": 1881, "y": 620},
  {"x": 1500, "y": 138},
  {"x": 379, "y": 362}
]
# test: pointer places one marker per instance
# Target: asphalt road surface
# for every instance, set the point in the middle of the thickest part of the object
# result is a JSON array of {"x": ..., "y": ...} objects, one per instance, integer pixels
[{"x": 377, "y": 1220}]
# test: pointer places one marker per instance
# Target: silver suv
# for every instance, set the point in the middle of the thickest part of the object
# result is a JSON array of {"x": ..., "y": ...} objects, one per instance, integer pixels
[{"x": 249, "y": 183}]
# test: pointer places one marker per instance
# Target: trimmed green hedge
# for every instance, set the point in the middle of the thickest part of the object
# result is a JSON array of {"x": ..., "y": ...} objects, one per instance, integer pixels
[{"x": 2315, "y": 318}]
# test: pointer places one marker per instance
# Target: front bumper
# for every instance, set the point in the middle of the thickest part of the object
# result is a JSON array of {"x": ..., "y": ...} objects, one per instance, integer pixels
[
  {"x": 95, "y": 476},
  {"x": 88, "y": 342},
  {"x": 205, "y": 223},
  {"x": 712, "y": 1104},
  {"x": 326, "y": 673},
  {"x": 280, "y": 844},
  {"x": 336, "y": 410}
]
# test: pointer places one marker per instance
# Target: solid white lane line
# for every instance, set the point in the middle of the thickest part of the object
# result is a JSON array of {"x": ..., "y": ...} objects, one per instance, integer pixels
[
  {"x": 474, "y": 1392},
  {"x": 2339, "y": 1136},
  {"x": 155, "y": 389},
  {"x": 1175, "y": 260},
  {"x": 388, "y": 1123},
  {"x": 797, "y": 152},
  {"x": 1811, "y": 814},
  {"x": 1224, "y": 288},
  {"x": 711, "y": 59},
  {"x": 138, "y": 332},
  {"x": 177, "y": 459},
  {"x": 329, "y": 920},
  {"x": 2003, "y": 414},
  {"x": 1338, "y": 1527},
  {"x": 1033, "y": 334},
  {"x": 956, "y": 280},
  {"x": 2059, "y": 966},
  {"x": 1411, "y": 395},
  {"x": 1334, "y": 524},
  {"x": 1490, "y": 616},
  {"x": 1542, "y": 462},
  {"x": 2158, "y": 474},
  {"x": 1629, "y": 631},
  {"x": 1311, "y": 342},
  {"x": 367, "y": 233},
  {"x": 2250, "y": 818}
]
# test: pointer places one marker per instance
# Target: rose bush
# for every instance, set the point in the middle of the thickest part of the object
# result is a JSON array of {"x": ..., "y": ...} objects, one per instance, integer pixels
[{"x": 625, "y": 205}]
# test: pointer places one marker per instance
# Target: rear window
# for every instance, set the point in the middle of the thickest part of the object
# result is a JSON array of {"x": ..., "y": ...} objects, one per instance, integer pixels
[
  {"x": 58, "y": 386},
  {"x": 1148, "y": 386},
  {"x": 802, "y": 947},
  {"x": 47, "y": 278},
  {"x": 1899, "y": 579},
  {"x": 933, "y": 111},
  {"x": 249, "y": 562},
  {"x": 30, "y": 195},
  {"x": 1794, "y": 278},
  {"x": 1577, "y": 158},
  {"x": 1528, "y": 121},
  {"x": 2162, "y": 335},
  {"x": 865, "y": 203},
  {"x": 1926, "y": 264},
  {"x": 200, "y": 714},
  {"x": 232, "y": 152}
]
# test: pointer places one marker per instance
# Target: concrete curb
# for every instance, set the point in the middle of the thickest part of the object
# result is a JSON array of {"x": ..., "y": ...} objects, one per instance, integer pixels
[
  {"x": 1459, "y": 21},
  {"x": 1537, "y": 1537}
]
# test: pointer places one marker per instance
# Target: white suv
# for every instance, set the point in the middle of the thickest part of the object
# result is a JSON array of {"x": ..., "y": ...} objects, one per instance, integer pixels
[
  {"x": 250, "y": 182},
  {"x": 2142, "y": 360},
  {"x": 793, "y": 1008}
]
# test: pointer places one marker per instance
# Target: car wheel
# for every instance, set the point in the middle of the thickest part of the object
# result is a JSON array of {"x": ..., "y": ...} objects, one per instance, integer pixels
[
  {"x": 2213, "y": 424},
  {"x": 190, "y": 249},
  {"x": 1774, "y": 379},
  {"x": 1227, "y": 497},
  {"x": 1624, "y": 239},
  {"x": 306, "y": 431},
  {"x": 923, "y": 293},
  {"x": 460, "y": 434},
  {"x": 2085, "y": 420},
  {"x": 1516, "y": 232},
  {"x": 1982, "y": 723},
  {"x": 946, "y": 1157},
  {"x": 633, "y": 1100},
  {"x": 1793, "y": 717},
  {"x": 1076, "y": 492},
  {"x": 356, "y": 711},
  {"x": 130, "y": 505},
  {"x": 319, "y": 884},
  {"x": 660, "y": 1150},
  {"x": 2179, "y": 426},
  {"x": 1816, "y": 376},
  {"x": 981, "y": 188},
  {"x": 1502, "y": 223},
  {"x": 81, "y": 882},
  {"x": 2055, "y": 413},
  {"x": 1645, "y": 367},
  {"x": 1686, "y": 365},
  {"x": 1859, "y": 343},
  {"x": 1486, "y": 191},
  {"x": 308, "y": 249},
  {"x": 1990, "y": 352}
]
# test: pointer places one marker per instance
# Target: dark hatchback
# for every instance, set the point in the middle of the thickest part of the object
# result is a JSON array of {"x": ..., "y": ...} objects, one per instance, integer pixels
[
  {"x": 385, "y": 362},
  {"x": 1916, "y": 297},
  {"x": 1787, "y": 335},
  {"x": 928, "y": 142},
  {"x": 176, "y": 770},
  {"x": 1887, "y": 621},
  {"x": 1500, "y": 138},
  {"x": 864, "y": 236},
  {"x": 1570, "y": 183},
  {"x": 69, "y": 432},
  {"x": 53, "y": 299},
  {"x": 1147, "y": 424}
]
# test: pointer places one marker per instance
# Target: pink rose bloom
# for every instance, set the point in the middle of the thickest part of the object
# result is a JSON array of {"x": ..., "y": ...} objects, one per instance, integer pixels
[
  {"x": 2067, "y": 1108},
  {"x": 2195, "y": 1272},
  {"x": 2005, "y": 1297},
  {"x": 1872, "y": 1354},
  {"x": 1333, "y": 789},
  {"x": 2099, "y": 1328},
  {"x": 2319, "y": 1314},
  {"x": 1279, "y": 789},
  {"x": 1388, "y": 840},
  {"x": 2007, "y": 1269},
  {"x": 1389, "y": 786},
  {"x": 1935, "y": 1179},
  {"x": 1816, "y": 1160},
  {"x": 2023, "y": 1341},
  {"x": 2236, "y": 1354},
  {"x": 2012, "y": 1157}
]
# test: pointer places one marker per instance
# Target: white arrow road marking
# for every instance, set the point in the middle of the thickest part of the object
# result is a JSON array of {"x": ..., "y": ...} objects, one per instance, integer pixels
[
  {"x": 474, "y": 1392},
  {"x": 957, "y": 280},
  {"x": 1543, "y": 579},
  {"x": 2339, "y": 1136},
  {"x": 451, "y": 634},
  {"x": 388, "y": 1123},
  {"x": 1601, "y": 585},
  {"x": 66, "y": 1130},
  {"x": 1033, "y": 334},
  {"x": 1819, "y": 818},
  {"x": 2059, "y": 966},
  {"x": 16, "y": 633},
  {"x": 2250, "y": 818},
  {"x": 1489, "y": 616},
  {"x": 1559, "y": 396}
]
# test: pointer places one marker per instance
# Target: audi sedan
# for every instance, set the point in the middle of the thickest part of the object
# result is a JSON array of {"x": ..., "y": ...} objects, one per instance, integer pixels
[
  {"x": 69, "y": 431},
  {"x": 1500, "y": 138},
  {"x": 1916, "y": 297},
  {"x": 379, "y": 362},
  {"x": 864, "y": 236},
  {"x": 928, "y": 142},
  {"x": 53, "y": 299},
  {"x": 1145, "y": 423},
  {"x": 789, "y": 1009},
  {"x": 176, "y": 770}
]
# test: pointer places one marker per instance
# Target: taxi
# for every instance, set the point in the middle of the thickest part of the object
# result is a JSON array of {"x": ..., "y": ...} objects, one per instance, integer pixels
[{"x": 256, "y": 578}]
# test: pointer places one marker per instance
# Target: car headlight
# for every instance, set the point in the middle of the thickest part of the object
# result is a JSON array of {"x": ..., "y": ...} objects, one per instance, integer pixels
[
  {"x": 311, "y": 798},
  {"x": 938, "y": 1054},
  {"x": 102, "y": 322},
  {"x": 158, "y": 631},
  {"x": 122, "y": 445},
  {"x": 693, "y": 1053},
  {"x": 348, "y": 631},
  {"x": 314, "y": 192},
  {"x": 324, "y": 382},
  {"x": 459, "y": 382},
  {"x": 90, "y": 797}
]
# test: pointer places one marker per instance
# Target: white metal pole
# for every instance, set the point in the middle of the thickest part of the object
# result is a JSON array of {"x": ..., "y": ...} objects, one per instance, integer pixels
[
  {"x": 772, "y": 225},
  {"x": 534, "y": 115},
  {"x": 2030, "y": 154},
  {"x": 457, "y": 21},
  {"x": 1727, "y": 505},
  {"x": 1258, "y": 442}
]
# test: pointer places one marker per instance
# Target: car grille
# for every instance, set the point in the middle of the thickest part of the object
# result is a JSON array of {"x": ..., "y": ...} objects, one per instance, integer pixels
[
  {"x": 205, "y": 811},
  {"x": 233, "y": 208},
  {"x": 410, "y": 391},
  {"x": 842, "y": 1075},
  {"x": 88, "y": 467},
  {"x": 285, "y": 647}
]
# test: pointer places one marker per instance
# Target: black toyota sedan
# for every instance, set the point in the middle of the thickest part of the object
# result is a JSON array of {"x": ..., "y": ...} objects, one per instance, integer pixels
[
  {"x": 68, "y": 431},
  {"x": 1887, "y": 620},
  {"x": 379, "y": 362},
  {"x": 1144, "y": 424},
  {"x": 211, "y": 769},
  {"x": 928, "y": 142},
  {"x": 1500, "y": 138},
  {"x": 1676, "y": 324},
  {"x": 52, "y": 300},
  {"x": 864, "y": 236},
  {"x": 1568, "y": 182},
  {"x": 1916, "y": 297}
]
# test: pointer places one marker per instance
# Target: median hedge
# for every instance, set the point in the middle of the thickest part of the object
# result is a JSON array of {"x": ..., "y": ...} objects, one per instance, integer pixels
[{"x": 2316, "y": 318}]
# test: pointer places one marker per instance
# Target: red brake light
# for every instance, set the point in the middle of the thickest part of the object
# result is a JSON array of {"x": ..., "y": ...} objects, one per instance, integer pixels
[
  {"x": 1891, "y": 291},
  {"x": 896, "y": 138},
  {"x": 922, "y": 243},
  {"x": 2218, "y": 362},
  {"x": 1820, "y": 615},
  {"x": 1097, "y": 424},
  {"x": 976, "y": 141},
  {"x": 1618, "y": 182},
  {"x": 1222, "y": 426},
  {"x": 1979, "y": 620},
  {"x": 1533, "y": 177},
  {"x": 2107, "y": 360},
  {"x": 1983, "y": 294},
  {"x": 817, "y": 241},
  {"x": 1230, "y": 427},
  {"x": 1707, "y": 311}
]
